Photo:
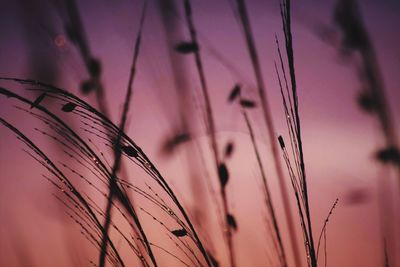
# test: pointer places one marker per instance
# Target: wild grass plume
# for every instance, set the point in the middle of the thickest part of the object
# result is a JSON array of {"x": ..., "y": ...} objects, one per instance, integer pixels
[{"x": 154, "y": 133}]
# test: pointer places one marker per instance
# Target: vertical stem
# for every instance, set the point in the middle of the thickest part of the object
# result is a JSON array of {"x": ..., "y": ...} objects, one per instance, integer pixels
[
  {"x": 270, "y": 126},
  {"x": 286, "y": 17},
  {"x": 210, "y": 125},
  {"x": 268, "y": 199},
  {"x": 114, "y": 187}
]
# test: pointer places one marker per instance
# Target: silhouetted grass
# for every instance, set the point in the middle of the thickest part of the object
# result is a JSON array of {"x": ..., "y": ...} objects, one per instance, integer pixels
[
  {"x": 161, "y": 211},
  {"x": 372, "y": 99},
  {"x": 299, "y": 180},
  {"x": 114, "y": 190},
  {"x": 261, "y": 88},
  {"x": 82, "y": 151},
  {"x": 220, "y": 166}
]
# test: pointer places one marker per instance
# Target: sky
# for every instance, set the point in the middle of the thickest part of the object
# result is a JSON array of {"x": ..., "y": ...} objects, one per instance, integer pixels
[{"x": 339, "y": 139}]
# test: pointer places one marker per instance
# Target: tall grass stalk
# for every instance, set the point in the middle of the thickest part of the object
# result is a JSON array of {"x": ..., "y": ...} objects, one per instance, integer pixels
[
  {"x": 172, "y": 27},
  {"x": 300, "y": 182},
  {"x": 86, "y": 156},
  {"x": 117, "y": 157},
  {"x": 372, "y": 99},
  {"x": 50, "y": 165},
  {"x": 75, "y": 31},
  {"x": 211, "y": 129},
  {"x": 267, "y": 195},
  {"x": 262, "y": 92}
]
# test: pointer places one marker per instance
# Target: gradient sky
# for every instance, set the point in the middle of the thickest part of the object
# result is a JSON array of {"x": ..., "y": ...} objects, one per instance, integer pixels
[{"x": 339, "y": 139}]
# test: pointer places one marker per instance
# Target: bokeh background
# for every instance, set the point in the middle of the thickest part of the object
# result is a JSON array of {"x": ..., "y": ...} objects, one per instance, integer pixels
[{"x": 340, "y": 140}]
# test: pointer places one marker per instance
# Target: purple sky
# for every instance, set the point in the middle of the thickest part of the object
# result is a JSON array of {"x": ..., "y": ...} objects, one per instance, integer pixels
[{"x": 339, "y": 139}]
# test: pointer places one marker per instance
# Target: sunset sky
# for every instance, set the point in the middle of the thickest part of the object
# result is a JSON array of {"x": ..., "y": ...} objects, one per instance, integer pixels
[{"x": 339, "y": 139}]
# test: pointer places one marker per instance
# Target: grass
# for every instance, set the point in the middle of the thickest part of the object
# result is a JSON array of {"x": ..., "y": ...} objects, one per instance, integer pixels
[{"x": 141, "y": 216}]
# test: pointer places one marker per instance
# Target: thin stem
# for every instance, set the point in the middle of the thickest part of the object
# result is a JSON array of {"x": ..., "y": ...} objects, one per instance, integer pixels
[
  {"x": 270, "y": 125},
  {"x": 268, "y": 199},
  {"x": 113, "y": 186},
  {"x": 211, "y": 129}
]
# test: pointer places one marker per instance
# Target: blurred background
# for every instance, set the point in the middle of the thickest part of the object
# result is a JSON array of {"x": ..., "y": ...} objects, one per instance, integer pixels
[{"x": 340, "y": 139}]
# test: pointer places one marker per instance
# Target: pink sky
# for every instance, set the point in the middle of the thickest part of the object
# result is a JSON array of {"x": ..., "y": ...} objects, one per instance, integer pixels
[{"x": 339, "y": 139}]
